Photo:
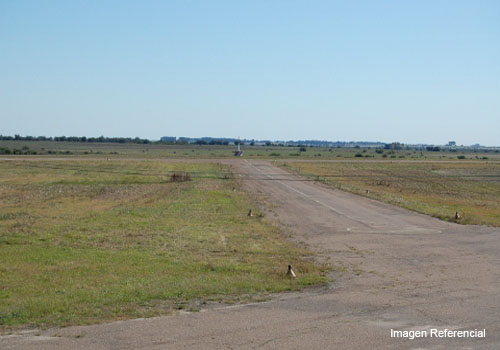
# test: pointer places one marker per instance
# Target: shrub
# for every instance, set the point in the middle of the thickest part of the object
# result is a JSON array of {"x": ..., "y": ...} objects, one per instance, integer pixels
[
  {"x": 180, "y": 177},
  {"x": 461, "y": 157}
]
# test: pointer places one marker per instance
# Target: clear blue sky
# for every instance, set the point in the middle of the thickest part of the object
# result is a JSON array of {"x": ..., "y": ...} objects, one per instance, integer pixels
[{"x": 408, "y": 71}]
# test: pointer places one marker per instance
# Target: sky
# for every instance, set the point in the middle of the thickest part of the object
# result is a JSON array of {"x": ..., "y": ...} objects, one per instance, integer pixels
[{"x": 406, "y": 71}]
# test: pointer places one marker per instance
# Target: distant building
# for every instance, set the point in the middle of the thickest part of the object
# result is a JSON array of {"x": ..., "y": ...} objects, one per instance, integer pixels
[
  {"x": 183, "y": 140},
  {"x": 452, "y": 143},
  {"x": 168, "y": 139}
]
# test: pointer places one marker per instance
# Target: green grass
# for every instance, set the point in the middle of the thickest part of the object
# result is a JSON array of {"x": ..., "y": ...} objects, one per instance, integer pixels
[
  {"x": 90, "y": 241},
  {"x": 434, "y": 188}
]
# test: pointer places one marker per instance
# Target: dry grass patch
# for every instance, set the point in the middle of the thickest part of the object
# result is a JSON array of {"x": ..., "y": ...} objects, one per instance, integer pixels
[{"x": 437, "y": 189}]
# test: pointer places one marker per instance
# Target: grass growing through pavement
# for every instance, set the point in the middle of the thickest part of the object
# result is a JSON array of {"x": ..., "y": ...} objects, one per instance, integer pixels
[
  {"x": 89, "y": 241},
  {"x": 437, "y": 189}
]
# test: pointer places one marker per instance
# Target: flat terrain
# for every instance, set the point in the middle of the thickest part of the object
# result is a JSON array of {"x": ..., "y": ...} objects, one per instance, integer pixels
[
  {"x": 434, "y": 188},
  {"x": 89, "y": 241},
  {"x": 392, "y": 268},
  {"x": 193, "y": 151}
]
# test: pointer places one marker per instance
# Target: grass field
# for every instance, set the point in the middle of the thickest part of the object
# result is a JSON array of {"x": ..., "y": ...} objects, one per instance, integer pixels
[
  {"x": 130, "y": 150},
  {"x": 434, "y": 188},
  {"x": 94, "y": 240}
]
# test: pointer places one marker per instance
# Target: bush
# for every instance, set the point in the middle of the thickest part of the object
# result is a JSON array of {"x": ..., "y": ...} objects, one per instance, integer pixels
[
  {"x": 180, "y": 177},
  {"x": 274, "y": 154},
  {"x": 461, "y": 157}
]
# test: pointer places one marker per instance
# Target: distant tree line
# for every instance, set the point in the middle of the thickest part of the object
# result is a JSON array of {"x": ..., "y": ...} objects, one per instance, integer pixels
[
  {"x": 212, "y": 142},
  {"x": 181, "y": 141},
  {"x": 76, "y": 139},
  {"x": 394, "y": 146}
]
